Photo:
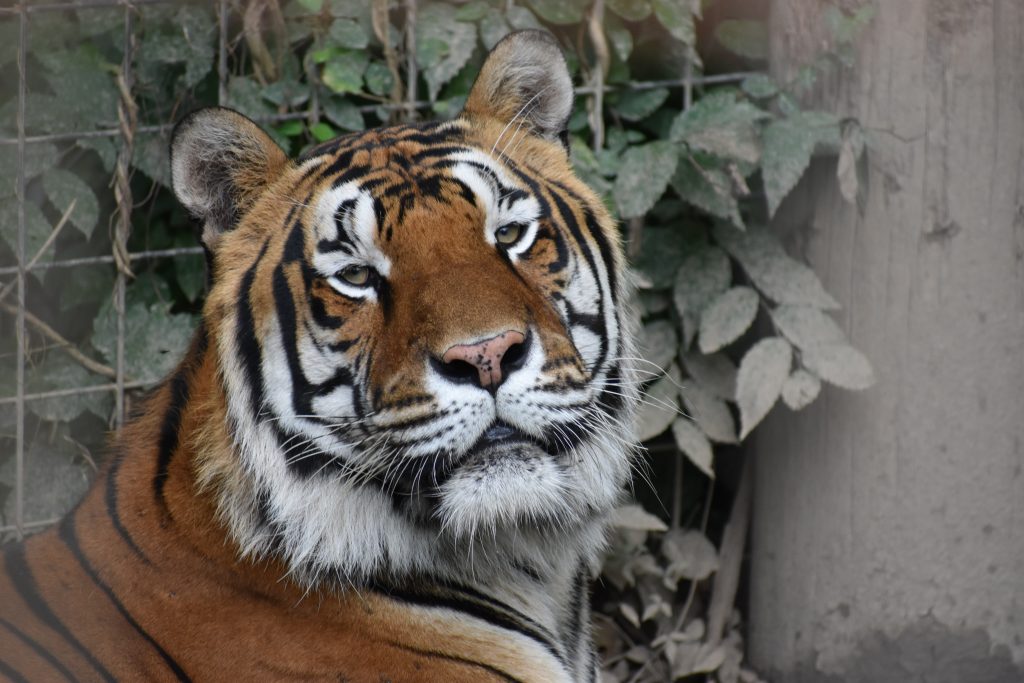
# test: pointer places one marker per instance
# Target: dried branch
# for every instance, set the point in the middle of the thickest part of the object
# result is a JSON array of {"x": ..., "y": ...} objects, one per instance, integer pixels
[
  {"x": 9, "y": 287},
  {"x": 734, "y": 540},
  {"x": 69, "y": 348}
]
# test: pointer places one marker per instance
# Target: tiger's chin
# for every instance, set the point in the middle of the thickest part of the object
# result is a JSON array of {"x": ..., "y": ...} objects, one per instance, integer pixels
[
  {"x": 511, "y": 483},
  {"x": 507, "y": 485}
]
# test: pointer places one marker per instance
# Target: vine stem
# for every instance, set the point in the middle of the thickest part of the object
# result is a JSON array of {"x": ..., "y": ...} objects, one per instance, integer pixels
[{"x": 595, "y": 29}]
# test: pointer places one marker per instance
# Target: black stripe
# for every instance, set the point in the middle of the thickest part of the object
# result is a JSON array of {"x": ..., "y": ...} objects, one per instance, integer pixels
[
  {"x": 573, "y": 630},
  {"x": 570, "y": 221},
  {"x": 288, "y": 324},
  {"x": 452, "y": 658},
  {"x": 167, "y": 444},
  {"x": 245, "y": 336},
  {"x": 111, "y": 503},
  {"x": 295, "y": 245},
  {"x": 503, "y": 617},
  {"x": 38, "y": 649},
  {"x": 441, "y": 152},
  {"x": 67, "y": 534},
  {"x": 25, "y": 585},
  {"x": 11, "y": 673}
]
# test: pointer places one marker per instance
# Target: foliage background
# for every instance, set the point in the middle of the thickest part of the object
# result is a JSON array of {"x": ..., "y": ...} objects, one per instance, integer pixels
[{"x": 694, "y": 162}]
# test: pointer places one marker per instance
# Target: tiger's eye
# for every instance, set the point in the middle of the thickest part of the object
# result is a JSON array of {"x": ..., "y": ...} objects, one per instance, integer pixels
[
  {"x": 355, "y": 275},
  {"x": 508, "y": 234}
]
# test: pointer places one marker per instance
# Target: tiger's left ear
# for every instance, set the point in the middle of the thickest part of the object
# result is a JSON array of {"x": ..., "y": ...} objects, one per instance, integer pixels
[
  {"x": 220, "y": 163},
  {"x": 525, "y": 78}
]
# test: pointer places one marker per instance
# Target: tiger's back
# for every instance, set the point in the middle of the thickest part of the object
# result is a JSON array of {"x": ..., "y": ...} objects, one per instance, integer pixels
[{"x": 390, "y": 451}]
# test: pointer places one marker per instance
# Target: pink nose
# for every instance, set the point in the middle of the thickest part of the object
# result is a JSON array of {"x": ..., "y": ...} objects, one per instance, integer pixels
[{"x": 485, "y": 356}]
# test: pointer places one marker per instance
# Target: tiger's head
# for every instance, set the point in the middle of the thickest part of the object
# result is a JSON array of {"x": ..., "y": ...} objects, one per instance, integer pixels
[{"x": 419, "y": 332}]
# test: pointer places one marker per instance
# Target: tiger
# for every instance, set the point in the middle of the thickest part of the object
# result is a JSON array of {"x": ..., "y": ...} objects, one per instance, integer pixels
[{"x": 394, "y": 446}]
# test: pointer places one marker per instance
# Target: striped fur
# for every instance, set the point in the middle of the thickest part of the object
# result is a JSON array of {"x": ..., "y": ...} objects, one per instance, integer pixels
[{"x": 316, "y": 493}]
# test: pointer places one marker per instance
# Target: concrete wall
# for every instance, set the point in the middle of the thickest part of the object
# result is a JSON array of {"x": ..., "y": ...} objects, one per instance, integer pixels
[{"x": 888, "y": 530}]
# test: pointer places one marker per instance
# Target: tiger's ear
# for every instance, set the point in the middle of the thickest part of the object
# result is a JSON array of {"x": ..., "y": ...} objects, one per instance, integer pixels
[
  {"x": 525, "y": 77},
  {"x": 220, "y": 163}
]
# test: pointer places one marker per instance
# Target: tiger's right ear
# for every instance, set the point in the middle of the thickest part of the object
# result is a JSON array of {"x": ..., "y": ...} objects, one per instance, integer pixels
[{"x": 220, "y": 163}]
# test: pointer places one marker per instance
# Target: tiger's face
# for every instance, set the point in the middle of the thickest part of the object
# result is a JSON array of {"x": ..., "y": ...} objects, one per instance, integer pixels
[{"x": 419, "y": 331}]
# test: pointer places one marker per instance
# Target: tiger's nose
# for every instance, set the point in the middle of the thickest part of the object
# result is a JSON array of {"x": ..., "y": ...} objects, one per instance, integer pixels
[{"x": 486, "y": 363}]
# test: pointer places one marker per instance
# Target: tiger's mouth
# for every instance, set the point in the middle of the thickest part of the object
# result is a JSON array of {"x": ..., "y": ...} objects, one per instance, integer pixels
[
  {"x": 505, "y": 438},
  {"x": 503, "y": 451}
]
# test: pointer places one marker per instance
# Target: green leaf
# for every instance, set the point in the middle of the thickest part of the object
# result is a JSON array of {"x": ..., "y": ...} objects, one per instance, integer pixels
[
  {"x": 771, "y": 269},
  {"x": 473, "y": 11},
  {"x": 92, "y": 284},
  {"x": 806, "y": 326},
  {"x": 709, "y": 189},
  {"x": 727, "y": 317},
  {"x": 154, "y": 338},
  {"x": 658, "y": 345},
  {"x": 344, "y": 72},
  {"x": 850, "y": 151},
  {"x": 149, "y": 155},
  {"x": 759, "y": 86},
  {"x": 560, "y": 11},
  {"x": 635, "y": 517},
  {"x": 690, "y": 554},
  {"x": 190, "y": 272},
  {"x": 313, "y": 6},
  {"x": 695, "y": 445},
  {"x": 846, "y": 27},
  {"x": 521, "y": 18},
  {"x": 643, "y": 176},
  {"x": 840, "y": 364},
  {"x": 659, "y": 407},
  {"x": 800, "y": 389},
  {"x": 493, "y": 28},
  {"x": 715, "y": 373},
  {"x": 586, "y": 166},
  {"x": 39, "y": 157},
  {"x": 746, "y": 38},
  {"x": 632, "y": 10},
  {"x": 636, "y": 106},
  {"x": 286, "y": 93},
  {"x": 379, "y": 79},
  {"x": 37, "y": 229},
  {"x": 87, "y": 90},
  {"x": 246, "y": 95},
  {"x": 348, "y": 33},
  {"x": 619, "y": 36},
  {"x": 59, "y": 371},
  {"x": 290, "y": 129},
  {"x": 663, "y": 250},
  {"x": 762, "y": 373},
  {"x": 704, "y": 275},
  {"x": 711, "y": 413},
  {"x": 322, "y": 132},
  {"x": 787, "y": 148},
  {"x": 105, "y": 148},
  {"x": 343, "y": 114},
  {"x": 722, "y": 124},
  {"x": 436, "y": 26},
  {"x": 677, "y": 17},
  {"x": 188, "y": 40},
  {"x": 63, "y": 187},
  {"x": 352, "y": 9}
]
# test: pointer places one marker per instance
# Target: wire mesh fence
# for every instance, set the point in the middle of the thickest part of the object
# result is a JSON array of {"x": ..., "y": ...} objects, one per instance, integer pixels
[{"x": 29, "y": 330}]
